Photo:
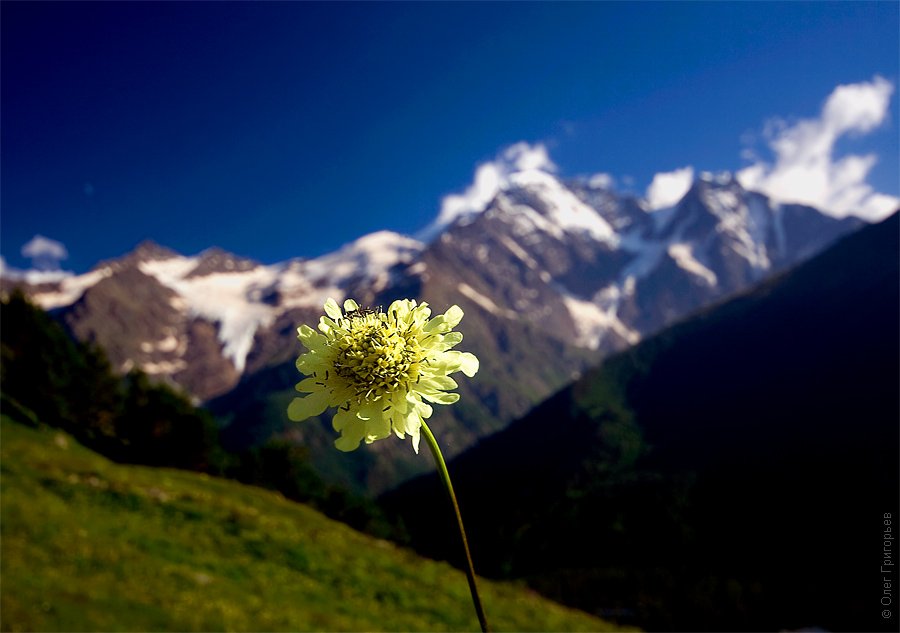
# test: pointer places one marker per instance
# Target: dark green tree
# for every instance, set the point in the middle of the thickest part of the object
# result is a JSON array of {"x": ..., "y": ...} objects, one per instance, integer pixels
[{"x": 62, "y": 382}]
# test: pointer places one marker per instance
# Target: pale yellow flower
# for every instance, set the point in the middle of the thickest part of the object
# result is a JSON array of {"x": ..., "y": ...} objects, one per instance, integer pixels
[{"x": 378, "y": 368}]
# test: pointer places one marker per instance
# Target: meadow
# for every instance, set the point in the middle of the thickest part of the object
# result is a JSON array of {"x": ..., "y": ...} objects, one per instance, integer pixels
[{"x": 90, "y": 545}]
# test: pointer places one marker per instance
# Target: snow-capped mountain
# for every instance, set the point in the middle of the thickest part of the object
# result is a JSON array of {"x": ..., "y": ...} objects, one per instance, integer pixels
[
  {"x": 573, "y": 262},
  {"x": 196, "y": 320},
  {"x": 552, "y": 276},
  {"x": 598, "y": 270}
]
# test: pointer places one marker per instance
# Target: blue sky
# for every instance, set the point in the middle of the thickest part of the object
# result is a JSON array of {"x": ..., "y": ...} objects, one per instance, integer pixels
[{"x": 277, "y": 130}]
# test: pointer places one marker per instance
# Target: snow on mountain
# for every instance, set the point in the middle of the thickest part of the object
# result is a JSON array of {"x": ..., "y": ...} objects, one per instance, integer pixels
[
  {"x": 645, "y": 255},
  {"x": 620, "y": 267},
  {"x": 684, "y": 257},
  {"x": 229, "y": 299},
  {"x": 370, "y": 258},
  {"x": 594, "y": 322},
  {"x": 485, "y": 302},
  {"x": 746, "y": 219},
  {"x": 573, "y": 260},
  {"x": 240, "y": 296},
  {"x": 536, "y": 198},
  {"x": 490, "y": 179},
  {"x": 240, "y": 300},
  {"x": 33, "y": 277},
  {"x": 668, "y": 188},
  {"x": 546, "y": 204},
  {"x": 55, "y": 289}
]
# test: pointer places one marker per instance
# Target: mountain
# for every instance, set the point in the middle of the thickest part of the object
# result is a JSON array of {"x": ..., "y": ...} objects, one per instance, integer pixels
[
  {"x": 552, "y": 276},
  {"x": 732, "y": 472},
  {"x": 204, "y": 321},
  {"x": 90, "y": 545}
]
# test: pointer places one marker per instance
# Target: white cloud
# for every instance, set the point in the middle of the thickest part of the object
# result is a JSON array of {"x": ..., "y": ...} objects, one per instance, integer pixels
[
  {"x": 669, "y": 187},
  {"x": 805, "y": 169},
  {"x": 525, "y": 157},
  {"x": 490, "y": 179},
  {"x": 858, "y": 107},
  {"x": 44, "y": 252},
  {"x": 602, "y": 181}
]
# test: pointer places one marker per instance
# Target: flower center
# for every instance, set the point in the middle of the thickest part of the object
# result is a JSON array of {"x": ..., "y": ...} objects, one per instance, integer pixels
[{"x": 374, "y": 356}]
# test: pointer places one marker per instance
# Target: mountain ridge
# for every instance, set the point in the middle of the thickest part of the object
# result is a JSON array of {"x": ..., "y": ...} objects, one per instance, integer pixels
[
  {"x": 564, "y": 232},
  {"x": 552, "y": 276}
]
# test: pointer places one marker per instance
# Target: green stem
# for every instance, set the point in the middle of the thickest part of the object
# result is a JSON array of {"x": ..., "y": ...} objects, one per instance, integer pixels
[{"x": 445, "y": 477}]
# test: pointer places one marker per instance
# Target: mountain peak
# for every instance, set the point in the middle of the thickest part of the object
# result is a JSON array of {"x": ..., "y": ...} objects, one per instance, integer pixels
[
  {"x": 380, "y": 240},
  {"x": 708, "y": 183},
  {"x": 216, "y": 260},
  {"x": 537, "y": 193},
  {"x": 718, "y": 178},
  {"x": 521, "y": 162},
  {"x": 148, "y": 250},
  {"x": 370, "y": 257}
]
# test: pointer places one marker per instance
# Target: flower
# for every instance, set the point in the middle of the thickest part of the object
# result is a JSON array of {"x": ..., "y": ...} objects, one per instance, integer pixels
[{"x": 378, "y": 368}]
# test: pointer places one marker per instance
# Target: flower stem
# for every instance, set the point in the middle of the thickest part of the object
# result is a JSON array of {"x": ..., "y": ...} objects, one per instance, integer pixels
[{"x": 445, "y": 477}]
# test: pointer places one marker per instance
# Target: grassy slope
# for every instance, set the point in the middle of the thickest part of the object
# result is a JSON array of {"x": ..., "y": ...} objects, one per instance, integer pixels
[{"x": 92, "y": 545}]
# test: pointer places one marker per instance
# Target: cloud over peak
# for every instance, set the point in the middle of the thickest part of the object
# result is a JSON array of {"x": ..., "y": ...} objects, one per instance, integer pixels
[
  {"x": 44, "y": 252},
  {"x": 805, "y": 169},
  {"x": 801, "y": 167},
  {"x": 490, "y": 179}
]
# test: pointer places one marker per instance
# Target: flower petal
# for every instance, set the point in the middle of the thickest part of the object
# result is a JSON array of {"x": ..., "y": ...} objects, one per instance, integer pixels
[
  {"x": 420, "y": 314},
  {"x": 309, "y": 385},
  {"x": 310, "y": 338},
  {"x": 444, "y": 322},
  {"x": 304, "y": 408},
  {"x": 378, "y": 427},
  {"x": 350, "y": 305},
  {"x": 398, "y": 423},
  {"x": 450, "y": 340},
  {"x": 421, "y": 409},
  {"x": 444, "y": 383},
  {"x": 326, "y": 325},
  {"x": 415, "y": 440},
  {"x": 468, "y": 363},
  {"x": 332, "y": 309},
  {"x": 410, "y": 424},
  {"x": 370, "y": 410},
  {"x": 340, "y": 393},
  {"x": 449, "y": 362},
  {"x": 398, "y": 401},
  {"x": 440, "y": 397},
  {"x": 352, "y": 433},
  {"x": 307, "y": 363},
  {"x": 453, "y": 316},
  {"x": 341, "y": 418}
]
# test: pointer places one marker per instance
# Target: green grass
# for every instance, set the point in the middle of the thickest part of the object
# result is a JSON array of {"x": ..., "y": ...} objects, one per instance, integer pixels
[{"x": 89, "y": 545}]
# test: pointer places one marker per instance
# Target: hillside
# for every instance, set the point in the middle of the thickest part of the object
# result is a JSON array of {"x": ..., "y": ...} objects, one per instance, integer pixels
[
  {"x": 730, "y": 473},
  {"x": 89, "y": 545}
]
